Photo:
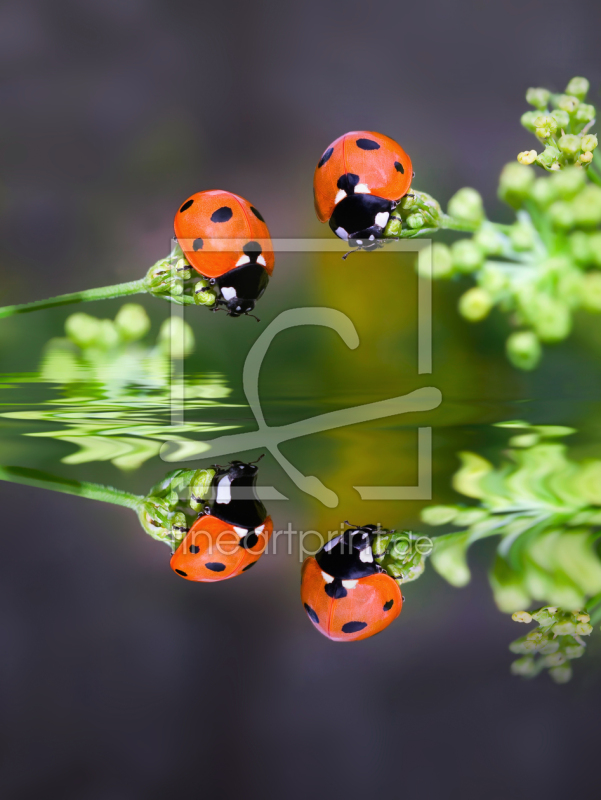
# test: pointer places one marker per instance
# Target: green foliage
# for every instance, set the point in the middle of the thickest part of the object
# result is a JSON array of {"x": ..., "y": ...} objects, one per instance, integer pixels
[{"x": 401, "y": 554}]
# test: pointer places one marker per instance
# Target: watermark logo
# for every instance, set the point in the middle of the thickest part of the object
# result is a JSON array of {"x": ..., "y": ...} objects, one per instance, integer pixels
[{"x": 270, "y": 437}]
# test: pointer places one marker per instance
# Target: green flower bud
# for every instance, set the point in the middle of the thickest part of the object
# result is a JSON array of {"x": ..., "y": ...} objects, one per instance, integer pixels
[
  {"x": 585, "y": 114},
  {"x": 548, "y": 647},
  {"x": 159, "y": 277},
  {"x": 585, "y": 159},
  {"x": 525, "y": 667},
  {"x": 524, "y": 440},
  {"x": 380, "y": 544},
  {"x": 582, "y": 616},
  {"x": 527, "y": 120},
  {"x": 466, "y": 205},
  {"x": 561, "y": 674},
  {"x": 108, "y": 336},
  {"x": 584, "y": 629},
  {"x": 442, "y": 263},
  {"x": 489, "y": 241},
  {"x": 567, "y": 102},
  {"x": 587, "y": 206},
  {"x": 176, "y": 338},
  {"x": 589, "y": 142},
  {"x": 562, "y": 118},
  {"x": 415, "y": 220},
  {"x": 538, "y": 98},
  {"x": 545, "y": 126},
  {"x": 82, "y": 329},
  {"x": 407, "y": 201},
  {"x": 394, "y": 227},
  {"x": 521, "y": 616},
  {"x": 493, "y": 280},
  {"x": 515, "y": 183},
  {"x": 179, "y": 529},
  {"x": 545, "y": 616},
  {"x": 524, "y": 350},
  {"x": 574, "y": 651},
  {"x": 475, "y": 304},
  {"x": 551, "y": 318},
  {"x": 438, "y": 515},
  {"x": 543, "y": 192},
  {"x": 591, "y": 292},
  {"x": 132, "y": 322},
  {"x": 564, "y": 628},
  {"x": 578, "y": 87},
  {"x": 549, "y": 158},
  {"x": 200, "y": 486},
  {"x": 555, "y": 660},
  {"x": 155, "y": 517},
  {"x": 579, "y": 248},
  {"x": 561, "y": 214},
  {"x": 570, "y": 145},
  {"x": 523, "y": 645},
  {"x": 568, "y": 182},
  {"x": 521, "y": 236},
  {"x": 203, "y": 296},
  {"x": 470, "y": 516},
  {"x": 466, "y": 255},
  {"x": 528, "y": 156}
]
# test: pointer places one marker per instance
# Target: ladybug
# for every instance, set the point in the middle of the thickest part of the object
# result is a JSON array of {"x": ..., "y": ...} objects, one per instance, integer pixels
[
  {"x": 358, "y": 182},
  {"x": 346, "y": 595},
  {"x": 231, "y": 532},
  {"x": 205, "y": 226}
]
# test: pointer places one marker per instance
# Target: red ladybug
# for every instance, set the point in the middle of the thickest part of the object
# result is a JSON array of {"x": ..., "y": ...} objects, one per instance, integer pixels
[
  {"x": 346, "y": 595},
  {"x": 359, "y": 180},
  {"x": 205, "y": 226},
  {"x": 232, "y": 532}
]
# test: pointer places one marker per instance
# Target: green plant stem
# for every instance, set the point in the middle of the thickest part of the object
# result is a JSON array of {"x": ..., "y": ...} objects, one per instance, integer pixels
[
  {"x": 103, "y": 293},
  {"x": 92, "y": 491}
]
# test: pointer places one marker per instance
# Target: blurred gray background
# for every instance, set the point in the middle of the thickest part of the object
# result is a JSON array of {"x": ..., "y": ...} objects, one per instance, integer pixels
[{"x": 116, "y": 683}]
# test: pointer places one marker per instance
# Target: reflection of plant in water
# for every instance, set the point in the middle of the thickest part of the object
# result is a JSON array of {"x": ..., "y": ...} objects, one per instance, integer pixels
[
  {"x": 120, "y": 391},
  {"x": 547, "y": 264},
  {"x": 556, "y": 642},
  {"x": 546, "y": 509}
]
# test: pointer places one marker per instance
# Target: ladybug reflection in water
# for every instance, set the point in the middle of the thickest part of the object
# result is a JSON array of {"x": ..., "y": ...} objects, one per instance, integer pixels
[
  {"x": 346, "y": 594},
  {"x": 205, "y": 227},
  {"x": 232, "y": 531}
]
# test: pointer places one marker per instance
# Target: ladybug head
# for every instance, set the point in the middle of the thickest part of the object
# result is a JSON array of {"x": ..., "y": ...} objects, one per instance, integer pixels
[{"x": 237, "y": 308}]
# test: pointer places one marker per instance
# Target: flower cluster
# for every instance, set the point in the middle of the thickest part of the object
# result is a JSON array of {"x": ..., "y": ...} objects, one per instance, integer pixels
[
  {"x": 546, "y": 265},
  {"x": 173, "y": 279},
  {"x": 166, "y": 513},
  {"x": 545, "y": 508},
  {"x": 401, "y": 554},
  {"x": 552, "y": 645},
  {"x": 561, "y": 123}
]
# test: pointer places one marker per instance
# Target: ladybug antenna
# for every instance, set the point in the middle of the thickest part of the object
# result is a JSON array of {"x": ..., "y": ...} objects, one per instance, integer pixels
[
  {"x": 346, "y": 255},
  {"x": 248, "y": 314},
  {"x": 346, "y": 522},
  {"x": 258, "y": 459}
]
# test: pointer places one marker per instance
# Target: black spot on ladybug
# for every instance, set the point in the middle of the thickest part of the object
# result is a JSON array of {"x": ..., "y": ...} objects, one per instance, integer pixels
[
  {"x": 223, "y": 214},
  {"x": 249, "y": 540},
  {"x": 252, "y": 247},
  {"x": 399, "y": 167},
  {"x": 194, "y": 548},
  {"x": 248, "y": 566},
  {"x": 367, "y": 144},
  {"x": 325, "y": 157},
  {"x": 181, "y": 572},
  {"x": 215, "y": 566},
  {"x": 256, "y": 213},
  {"x": 186, "y": 205},
  {"x": 348, "y": 182},
  {"x": 353, "y": 627},
  {"x": 387, "y": 606},
  {"x": 311, "y": 614},
  {"x": 335, "y": 589},
  {"x": 197, "y": 244}
]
